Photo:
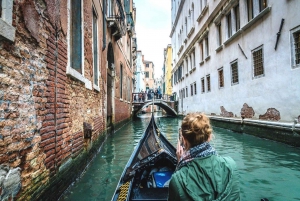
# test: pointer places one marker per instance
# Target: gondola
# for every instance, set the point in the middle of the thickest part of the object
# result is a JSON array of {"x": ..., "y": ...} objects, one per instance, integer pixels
[{"x": 149, "y": 169}]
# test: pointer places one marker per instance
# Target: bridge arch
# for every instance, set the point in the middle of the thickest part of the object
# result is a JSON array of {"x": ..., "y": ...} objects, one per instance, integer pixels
[{"x": 169, "y": 110}]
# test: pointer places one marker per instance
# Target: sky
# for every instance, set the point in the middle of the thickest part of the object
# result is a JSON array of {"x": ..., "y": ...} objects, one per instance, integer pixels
[{"x": 153, "y": 27}]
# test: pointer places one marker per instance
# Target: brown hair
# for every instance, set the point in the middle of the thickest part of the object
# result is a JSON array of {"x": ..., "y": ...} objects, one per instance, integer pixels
[{"x": 196, "y": 128}]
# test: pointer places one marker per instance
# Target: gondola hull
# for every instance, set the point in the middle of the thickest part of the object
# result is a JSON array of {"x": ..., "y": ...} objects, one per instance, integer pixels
[{"x": 149, "y": 169}]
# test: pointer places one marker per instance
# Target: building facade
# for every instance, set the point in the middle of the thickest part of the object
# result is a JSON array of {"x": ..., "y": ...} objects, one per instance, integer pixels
[
  {"x": 167, "y": 71},
  {"x": 148, "y": 75},
  {"x": 237, "y": 58},
  {"x": 66, "y": 74},
  {"x": 139, "y": 73}
]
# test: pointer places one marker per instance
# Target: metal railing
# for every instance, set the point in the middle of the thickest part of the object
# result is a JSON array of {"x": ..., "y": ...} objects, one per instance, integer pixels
[{"x": 143, "y": 97}]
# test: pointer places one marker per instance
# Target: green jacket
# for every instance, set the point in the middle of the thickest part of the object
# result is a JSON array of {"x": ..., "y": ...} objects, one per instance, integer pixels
[{"x": 205, "y": 179}]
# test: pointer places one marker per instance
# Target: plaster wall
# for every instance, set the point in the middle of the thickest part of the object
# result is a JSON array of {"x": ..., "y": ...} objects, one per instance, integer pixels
[{"x": 279, "y": 86}]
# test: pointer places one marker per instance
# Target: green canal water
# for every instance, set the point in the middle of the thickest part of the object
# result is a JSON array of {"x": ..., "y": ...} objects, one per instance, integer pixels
[{"x": 267, "y": 169}]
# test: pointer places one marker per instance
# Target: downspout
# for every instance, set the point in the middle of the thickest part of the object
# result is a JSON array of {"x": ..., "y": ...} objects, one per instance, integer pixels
[{"x": 104, "y": 24}]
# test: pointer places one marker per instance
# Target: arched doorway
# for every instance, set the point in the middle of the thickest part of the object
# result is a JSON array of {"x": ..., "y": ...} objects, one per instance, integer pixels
[{"x": 110, "y": 84}]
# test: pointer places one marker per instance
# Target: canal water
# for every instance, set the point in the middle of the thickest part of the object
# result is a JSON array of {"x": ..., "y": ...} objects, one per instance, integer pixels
[{"x": 267, "y": 169}]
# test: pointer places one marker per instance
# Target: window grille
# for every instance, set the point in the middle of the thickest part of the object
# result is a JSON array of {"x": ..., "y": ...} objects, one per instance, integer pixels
[
  {"x": 297, "y": 47},
  {"x": 202, "y": 85},
  {"x": 195, "y": 88},
  {"x": 208, "y": 82},
  {"x": 258, "y": 66},
  {"x": 234, "y": 73},
  {"x": 191, "y": 89},
  {"x": 221, "y": 78}
]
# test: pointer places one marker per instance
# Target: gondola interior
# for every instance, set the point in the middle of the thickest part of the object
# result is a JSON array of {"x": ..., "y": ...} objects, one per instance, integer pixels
[{"x": 149, "y": 169}]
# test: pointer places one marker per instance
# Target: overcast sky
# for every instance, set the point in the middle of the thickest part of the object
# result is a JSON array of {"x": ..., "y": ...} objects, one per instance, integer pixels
[{"x": 153, "y": 27}]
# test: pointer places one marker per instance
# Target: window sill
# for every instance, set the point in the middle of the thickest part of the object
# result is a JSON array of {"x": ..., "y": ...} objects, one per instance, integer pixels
[
  {"x": 7, "y": 31},
  {"x": 207, "y": 58},
  {"x": 256, "y": 18},
  {"x": 201, "y": 63},
  {"x": 202, "y": 13},
  {"x": 73, "y": 73},
  {"x": 219, "y": 48},
  {"x": 233, "y": 37},
  {"x": 96, "y": 88},
  {"x": 259, "y": 76},
  {"x": 296, "y": 66},
  {"x": 236, "y": 83}
]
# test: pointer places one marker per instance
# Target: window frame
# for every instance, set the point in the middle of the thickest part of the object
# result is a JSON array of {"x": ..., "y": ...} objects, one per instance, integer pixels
[
  {"x": 253, "y": 62},
  {"x": 221, "y": 80},
  {"x": 294, "y": 31},
  {"x": 232, "y": 72},
  {"x": 208, "y": 83},
  {"x": 95, "y": 50},
  {"x": 202, "y": 85}
]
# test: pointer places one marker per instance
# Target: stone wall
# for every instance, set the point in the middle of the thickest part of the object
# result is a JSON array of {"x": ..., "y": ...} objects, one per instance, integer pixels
[{"x": 42, "y": 109}]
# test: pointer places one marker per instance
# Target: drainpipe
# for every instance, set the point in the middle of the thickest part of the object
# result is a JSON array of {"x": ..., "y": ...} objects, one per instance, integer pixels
[{"x": 104, "y": 24}]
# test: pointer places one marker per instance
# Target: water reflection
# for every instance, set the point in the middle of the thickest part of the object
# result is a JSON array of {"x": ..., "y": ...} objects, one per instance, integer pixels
[{"x": 267, "y": 169}]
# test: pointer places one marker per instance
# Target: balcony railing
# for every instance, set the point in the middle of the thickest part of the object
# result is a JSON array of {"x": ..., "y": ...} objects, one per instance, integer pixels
[{"x": 116, "y": 18}]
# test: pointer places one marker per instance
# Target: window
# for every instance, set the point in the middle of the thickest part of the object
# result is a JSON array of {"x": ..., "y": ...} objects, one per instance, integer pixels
[
  {"x": 76, "y": 36},
  {"x": 250, "y": 9},
  {"x": 195, "y": 88},
  {"x": 234, "y": 73},
  {"x": 206, "y": 47},
  {"x": 229, "y": 25},
  {"x": 186, "y": 91},
  {"x": 0, "y": 8},
  {"x": 258, "y": 64},
  {"x": 146, "y": 74},
  {"x": 147, "y": 65},
  {"x": 95, "y": 48},
  {"x": 194, "y": 59},
  {"x": 237, "y": 17},
  {"x": 202, "y": 85},
  {"x": 219, "y": 34},
  {"x": 296, "y": 47},
  {"x": 192, "y": 89},
  {"x": 121, "y": 81},
  {"x": 201, "y": 51},
  {"x": 208, "y": 83},
  {"x": 262, "y": 5},
  {"x": 221, "y": 78},
  {"x": 183, "y": 93}
]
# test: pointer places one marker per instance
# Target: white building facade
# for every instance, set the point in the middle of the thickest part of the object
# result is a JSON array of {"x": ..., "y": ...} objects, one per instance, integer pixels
[
  {"x": 237, "y": 58},
  {"x": 139, "y": 74}
]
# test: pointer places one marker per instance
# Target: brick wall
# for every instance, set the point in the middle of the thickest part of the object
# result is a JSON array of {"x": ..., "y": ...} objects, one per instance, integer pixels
[{"x": 42, "y": 110}]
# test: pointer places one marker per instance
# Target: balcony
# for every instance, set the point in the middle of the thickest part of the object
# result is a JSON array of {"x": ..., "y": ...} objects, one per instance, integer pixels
[{"x": 116, "y": 19}]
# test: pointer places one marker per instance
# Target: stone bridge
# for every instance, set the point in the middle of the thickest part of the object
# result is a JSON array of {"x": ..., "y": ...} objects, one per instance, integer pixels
[{"x": 167, "y": 103}]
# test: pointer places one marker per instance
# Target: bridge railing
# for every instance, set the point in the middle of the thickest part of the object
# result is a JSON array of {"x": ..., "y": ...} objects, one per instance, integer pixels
[{"x": 142, "y": 97}]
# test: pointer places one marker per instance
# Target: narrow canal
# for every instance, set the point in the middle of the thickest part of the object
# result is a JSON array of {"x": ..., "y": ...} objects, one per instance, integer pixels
[{"x": 267, "y": 169}]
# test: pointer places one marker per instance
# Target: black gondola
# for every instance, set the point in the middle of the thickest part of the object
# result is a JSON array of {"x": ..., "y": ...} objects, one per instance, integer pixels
[{"x": 148, "y": 171}]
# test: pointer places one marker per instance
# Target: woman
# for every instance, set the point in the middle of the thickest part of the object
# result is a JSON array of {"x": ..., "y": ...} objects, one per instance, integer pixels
[{"x": 200, "y": 173}]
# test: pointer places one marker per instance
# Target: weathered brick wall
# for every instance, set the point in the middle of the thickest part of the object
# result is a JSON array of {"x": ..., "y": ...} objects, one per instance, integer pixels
[{"x": 42, "y": 110}]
